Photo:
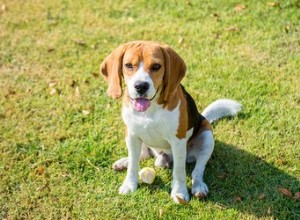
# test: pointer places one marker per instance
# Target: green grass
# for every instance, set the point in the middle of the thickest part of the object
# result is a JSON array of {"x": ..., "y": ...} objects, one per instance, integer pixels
[{"x": 56, "y": 160}]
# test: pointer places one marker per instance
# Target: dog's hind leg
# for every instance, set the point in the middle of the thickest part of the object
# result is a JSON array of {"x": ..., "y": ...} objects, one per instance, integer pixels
[
  {"x": 200, "y": 152},
  {"x": 162, "y": 159},
  {"x": 122, "y": 163}
]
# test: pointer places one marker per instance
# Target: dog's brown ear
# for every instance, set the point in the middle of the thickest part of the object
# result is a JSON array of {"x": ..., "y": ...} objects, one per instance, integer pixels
[
  {"x": 111, "y": 68},
  {"x": 174, "y": 72}
]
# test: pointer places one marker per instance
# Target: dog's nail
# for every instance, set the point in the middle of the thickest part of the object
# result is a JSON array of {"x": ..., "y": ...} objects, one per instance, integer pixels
[
  {"x": 181, "y": 200},
  {"x": 200, "y": 195}
]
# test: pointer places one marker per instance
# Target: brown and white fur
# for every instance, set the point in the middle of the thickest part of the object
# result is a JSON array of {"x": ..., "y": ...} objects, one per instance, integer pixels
[{"x": 162, "y": 119}]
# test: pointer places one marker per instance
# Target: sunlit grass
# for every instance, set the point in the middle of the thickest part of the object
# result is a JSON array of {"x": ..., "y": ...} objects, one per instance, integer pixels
[{"x": 58, "y": 142}]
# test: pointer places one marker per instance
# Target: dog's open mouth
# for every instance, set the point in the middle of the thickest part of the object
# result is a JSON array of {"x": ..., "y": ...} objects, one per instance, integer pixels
[{"x": 141, "y": 104}]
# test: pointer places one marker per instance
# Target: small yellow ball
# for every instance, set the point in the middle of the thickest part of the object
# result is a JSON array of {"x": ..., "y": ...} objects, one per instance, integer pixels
[{"x": 147, "y": 175}]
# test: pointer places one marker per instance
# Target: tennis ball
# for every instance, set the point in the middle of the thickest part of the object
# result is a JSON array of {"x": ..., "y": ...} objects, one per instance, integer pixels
[{"x": 147, "y": 175}]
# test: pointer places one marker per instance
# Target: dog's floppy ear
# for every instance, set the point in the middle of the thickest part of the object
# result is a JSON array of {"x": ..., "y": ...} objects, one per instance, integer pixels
[
  {"x": 111, "y": 68},
  {"x": 174, "y": 72}
]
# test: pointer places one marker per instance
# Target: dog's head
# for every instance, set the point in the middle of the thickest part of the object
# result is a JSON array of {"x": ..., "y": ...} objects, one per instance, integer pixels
[{"x": 151, "y": 71}]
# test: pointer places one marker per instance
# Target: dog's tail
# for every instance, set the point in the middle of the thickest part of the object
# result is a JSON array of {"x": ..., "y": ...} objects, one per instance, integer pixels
[{"x": 221, "y": 108}]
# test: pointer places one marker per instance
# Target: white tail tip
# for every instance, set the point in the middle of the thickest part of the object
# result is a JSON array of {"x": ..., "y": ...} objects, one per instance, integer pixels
[{"x": 221, "y": 108}]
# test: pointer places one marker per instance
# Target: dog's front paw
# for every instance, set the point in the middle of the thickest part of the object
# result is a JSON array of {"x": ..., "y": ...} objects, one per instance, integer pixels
[
  {"x": 128, "y": 187},
  {"x": 199, "y": 189},
  {"x": 180, "y": 195}
]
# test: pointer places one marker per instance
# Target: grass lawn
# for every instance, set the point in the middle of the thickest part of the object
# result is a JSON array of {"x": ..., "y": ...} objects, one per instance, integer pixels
[{"x": 60, "y": 133}]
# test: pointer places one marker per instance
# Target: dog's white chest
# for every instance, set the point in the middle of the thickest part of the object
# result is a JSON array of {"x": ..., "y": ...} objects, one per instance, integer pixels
[{"x": 155, "y": 127}]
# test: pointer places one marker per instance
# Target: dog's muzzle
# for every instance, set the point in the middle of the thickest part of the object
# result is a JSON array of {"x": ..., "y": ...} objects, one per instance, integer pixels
[{"x": 142, "y": 103}]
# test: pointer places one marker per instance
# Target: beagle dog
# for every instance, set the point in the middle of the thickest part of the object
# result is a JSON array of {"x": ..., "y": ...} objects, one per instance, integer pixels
[{"x": 161, "y": 117}]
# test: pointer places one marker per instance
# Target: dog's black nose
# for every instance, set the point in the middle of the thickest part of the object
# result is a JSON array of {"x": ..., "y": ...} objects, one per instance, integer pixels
[{"x": 141, "y": 87}]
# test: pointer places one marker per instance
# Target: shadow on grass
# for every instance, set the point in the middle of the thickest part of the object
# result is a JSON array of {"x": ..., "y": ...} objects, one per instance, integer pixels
[{"x": 245, "y": 182}]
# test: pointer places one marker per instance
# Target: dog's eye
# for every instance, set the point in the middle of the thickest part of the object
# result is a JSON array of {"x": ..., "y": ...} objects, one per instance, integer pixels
[
  {"x": 129, "y": 66},
  {"x": 155, "y": 67}
]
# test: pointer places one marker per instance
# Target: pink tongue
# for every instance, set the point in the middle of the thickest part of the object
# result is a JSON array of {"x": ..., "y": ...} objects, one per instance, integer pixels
[{"x": 141, "y": 104}]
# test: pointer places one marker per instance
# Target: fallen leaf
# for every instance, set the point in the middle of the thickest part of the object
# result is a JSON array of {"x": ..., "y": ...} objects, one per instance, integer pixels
[
  {"x": 269, "y": 211},
  {"x": 232, "y": 29},
  {"x": 222, "y": 176},
  {"x": 286, "y": 29},
  {"x": 216, "y": 15},
  {"x": 50, "y": 50},
  {"x": 10, "y": 93},
  {"x": 181, "y": 200},
  {"x": 297, "y": 196},
  {"x": 40, "y": 170},
  {"x": 77, "y": 92},
  {"x": 188, "y": 3},
  {"x": 79, "y": 42},
  {"x": 273, "y": 4},
  {"x": 73, "y": 83},
  {"x": 52, "y": 84},
  {"x": 281, "y": 161},
  {"x": 130, "y": 20},
  {"x": 180, "y": 40},
  {"x": 219, "y": 206},
  {"x": 285, "y": 192},
  {"x": 3, "y": 7},
  {"x": 85, "y": 112},
  {"x": 161, "y": 213},
  {"x": 238, "y": 199},
  {"x": 239, "y": 7},
  {"x": 52, "y": 22},
  {"x": 53, "y": 91},
  {"x": 96, "y": 75},
  {"x": 216, "y": 35},
  {"x": 262, "y": 196}
]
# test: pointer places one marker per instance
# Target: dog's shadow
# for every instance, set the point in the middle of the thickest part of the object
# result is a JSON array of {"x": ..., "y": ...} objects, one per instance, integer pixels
[
  {"x": 242, "y": 181},
  {"x": 245, "y": 182}
]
